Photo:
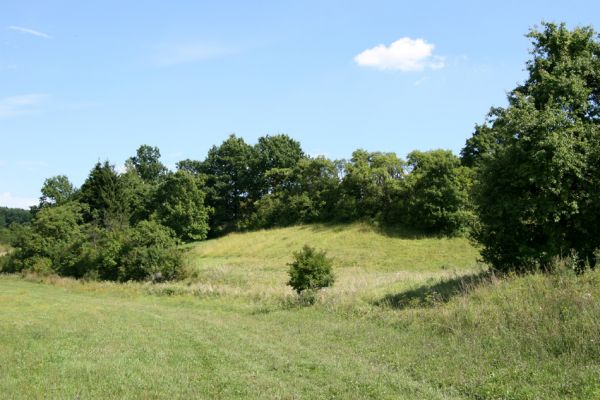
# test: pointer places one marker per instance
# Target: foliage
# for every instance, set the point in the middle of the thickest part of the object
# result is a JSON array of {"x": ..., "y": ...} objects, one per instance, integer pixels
[
  {"x": 180, "y": 206},
  {"x": 229, "y": 173},
  {"x": 9, "y": 216},
  {"x": 138, "y": 195},
  {"x": 58, "y": 242},
  {"x": 56, "y": 190},
  {"x": 149, "y": 252},
  {"x": 147, "y": 164},
  {"x": 302, "y": 194},
  {"x": 106, "y": 196},
  {"x": 87, "y": 233},
  {"x": 538, "y": 188},
  {"x": 51, "y": 240},
  {"x": 437, "y": 192},
  {"x": 274, "y": 152},
  {"x": 310, "y": 270},
  {"x": 370, "y": 186}
]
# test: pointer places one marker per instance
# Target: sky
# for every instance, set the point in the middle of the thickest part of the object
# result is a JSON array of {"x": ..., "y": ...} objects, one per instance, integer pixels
[{"x": 88, "y": 81}]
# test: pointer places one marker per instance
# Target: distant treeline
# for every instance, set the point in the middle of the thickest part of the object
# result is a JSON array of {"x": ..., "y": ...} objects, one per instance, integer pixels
[{"x": 9, "y": 216}]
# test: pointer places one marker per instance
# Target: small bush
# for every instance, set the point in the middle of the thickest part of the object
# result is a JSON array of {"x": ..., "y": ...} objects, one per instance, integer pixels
[{"x": 311, "y": 270}]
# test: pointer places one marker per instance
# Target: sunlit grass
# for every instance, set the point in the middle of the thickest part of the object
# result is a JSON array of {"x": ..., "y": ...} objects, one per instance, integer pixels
[{"x": 393, "y": 326}]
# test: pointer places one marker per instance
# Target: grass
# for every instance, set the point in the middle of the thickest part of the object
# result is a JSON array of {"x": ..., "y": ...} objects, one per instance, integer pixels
[
  {"x": 432, "y": 333},
  {"x": 367, "y": 262}
]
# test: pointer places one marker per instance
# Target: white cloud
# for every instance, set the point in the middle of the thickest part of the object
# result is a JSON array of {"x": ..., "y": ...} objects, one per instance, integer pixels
[
  {"x": 182, "y": 53},
  {"x": 8, "y": 200},
  {"x": 29, "y": 31},
  {"x": 17, "y": 105},
  {"x": 404, "y": 54}
]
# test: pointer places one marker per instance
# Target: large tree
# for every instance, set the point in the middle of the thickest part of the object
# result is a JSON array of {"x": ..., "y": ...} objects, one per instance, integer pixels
[
  {"x": 538, "y": 159},
  {"x": 180, "y": 206},
  {"x": 279, "y": 151},
  {"x": 229, "y": 173}
]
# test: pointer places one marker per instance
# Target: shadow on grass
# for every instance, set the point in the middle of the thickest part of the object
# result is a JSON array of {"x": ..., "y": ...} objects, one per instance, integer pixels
[
  {"x": 441, "y": 292},
  {"x": 394, "y": 231}
]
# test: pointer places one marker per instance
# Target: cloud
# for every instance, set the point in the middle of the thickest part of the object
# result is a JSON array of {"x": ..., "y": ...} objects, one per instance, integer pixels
[
  {"x": 8, "y": 200},
  {"x": 404, "y": 54},
  {"x": 183, "y": 53},
  {"x": 17, "y": 105},
  {"x": 28, "y": 31}
]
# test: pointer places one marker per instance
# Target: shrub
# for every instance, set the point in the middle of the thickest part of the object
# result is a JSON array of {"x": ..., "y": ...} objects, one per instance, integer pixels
[
  {"x": 150, "y": 253},
  {"x": 311, "y": 270}
]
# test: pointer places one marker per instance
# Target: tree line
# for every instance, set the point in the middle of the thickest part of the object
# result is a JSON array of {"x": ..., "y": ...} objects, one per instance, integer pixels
[
  {"x": 526, "y": 186},
  {"x": 123, "y": 226}
]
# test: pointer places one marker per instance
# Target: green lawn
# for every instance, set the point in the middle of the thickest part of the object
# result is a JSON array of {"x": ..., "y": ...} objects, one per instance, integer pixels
[{"x": 430, "y": 333}]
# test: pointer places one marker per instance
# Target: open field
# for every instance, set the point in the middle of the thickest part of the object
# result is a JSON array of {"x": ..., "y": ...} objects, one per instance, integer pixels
[{"x": 408, "y": 318}]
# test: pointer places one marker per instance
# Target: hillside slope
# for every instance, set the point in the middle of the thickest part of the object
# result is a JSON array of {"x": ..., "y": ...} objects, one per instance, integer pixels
[{"x": 367, "y": 261}]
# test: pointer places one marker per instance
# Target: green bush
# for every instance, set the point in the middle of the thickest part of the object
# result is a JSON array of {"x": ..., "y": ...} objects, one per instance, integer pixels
[
  {"x": 149, "y": 253},
  {"x": 311, "y": 270}
]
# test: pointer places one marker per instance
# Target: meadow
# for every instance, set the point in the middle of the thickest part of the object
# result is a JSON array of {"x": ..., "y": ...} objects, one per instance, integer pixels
[{"x": 409, "y": 317}]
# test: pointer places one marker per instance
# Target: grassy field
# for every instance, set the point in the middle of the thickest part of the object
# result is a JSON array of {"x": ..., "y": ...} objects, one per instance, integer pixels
[{"x": 409, "y": 318}]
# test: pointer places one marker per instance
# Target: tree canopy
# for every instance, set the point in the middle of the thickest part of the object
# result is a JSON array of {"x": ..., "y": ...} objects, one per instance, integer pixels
[{"x": 537, "y": 159}]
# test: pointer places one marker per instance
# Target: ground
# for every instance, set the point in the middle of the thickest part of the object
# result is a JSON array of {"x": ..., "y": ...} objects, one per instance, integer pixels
[{"x": 408, "y": 318}]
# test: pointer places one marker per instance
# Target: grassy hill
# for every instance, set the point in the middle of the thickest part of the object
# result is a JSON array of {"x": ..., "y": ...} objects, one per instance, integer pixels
[
  {"x": 367, "y": 262},
  {"x": 409, "y": 318}
]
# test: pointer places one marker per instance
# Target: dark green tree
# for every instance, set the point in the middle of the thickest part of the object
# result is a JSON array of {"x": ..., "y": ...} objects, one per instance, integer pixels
[
  {"x": 538, "y": 186},
  {"x": 279, "y": 151},
  {"x": 180, "y": 206},
  {"x": 437, "y": 192},
  {"x": 106, "y": 196},
  {"x": 228, "y": 170}
]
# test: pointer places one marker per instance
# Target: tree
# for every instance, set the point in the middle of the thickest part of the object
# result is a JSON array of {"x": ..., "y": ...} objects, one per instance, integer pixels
[
  {"x": 537, "y": 185},
  {"x": 437, "y": 192},
  {"x": 370, "y": 185},
  {"x": 274, "y": 152},
  {"x": 303, "y": 194},
  {"x": 106, "y": 196},
  {"x": 147, "y": 163},
  {"x": 180, "y": 206},
  {"x": 228, "y": 169},
  {"x": 56, "y": 190},
  {"x": 50, "y": 240},
  {"x": 311, "y": 270}
]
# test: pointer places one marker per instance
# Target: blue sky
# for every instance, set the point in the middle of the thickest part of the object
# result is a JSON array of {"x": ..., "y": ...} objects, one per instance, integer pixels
[{"x": 82, "y": 81}]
